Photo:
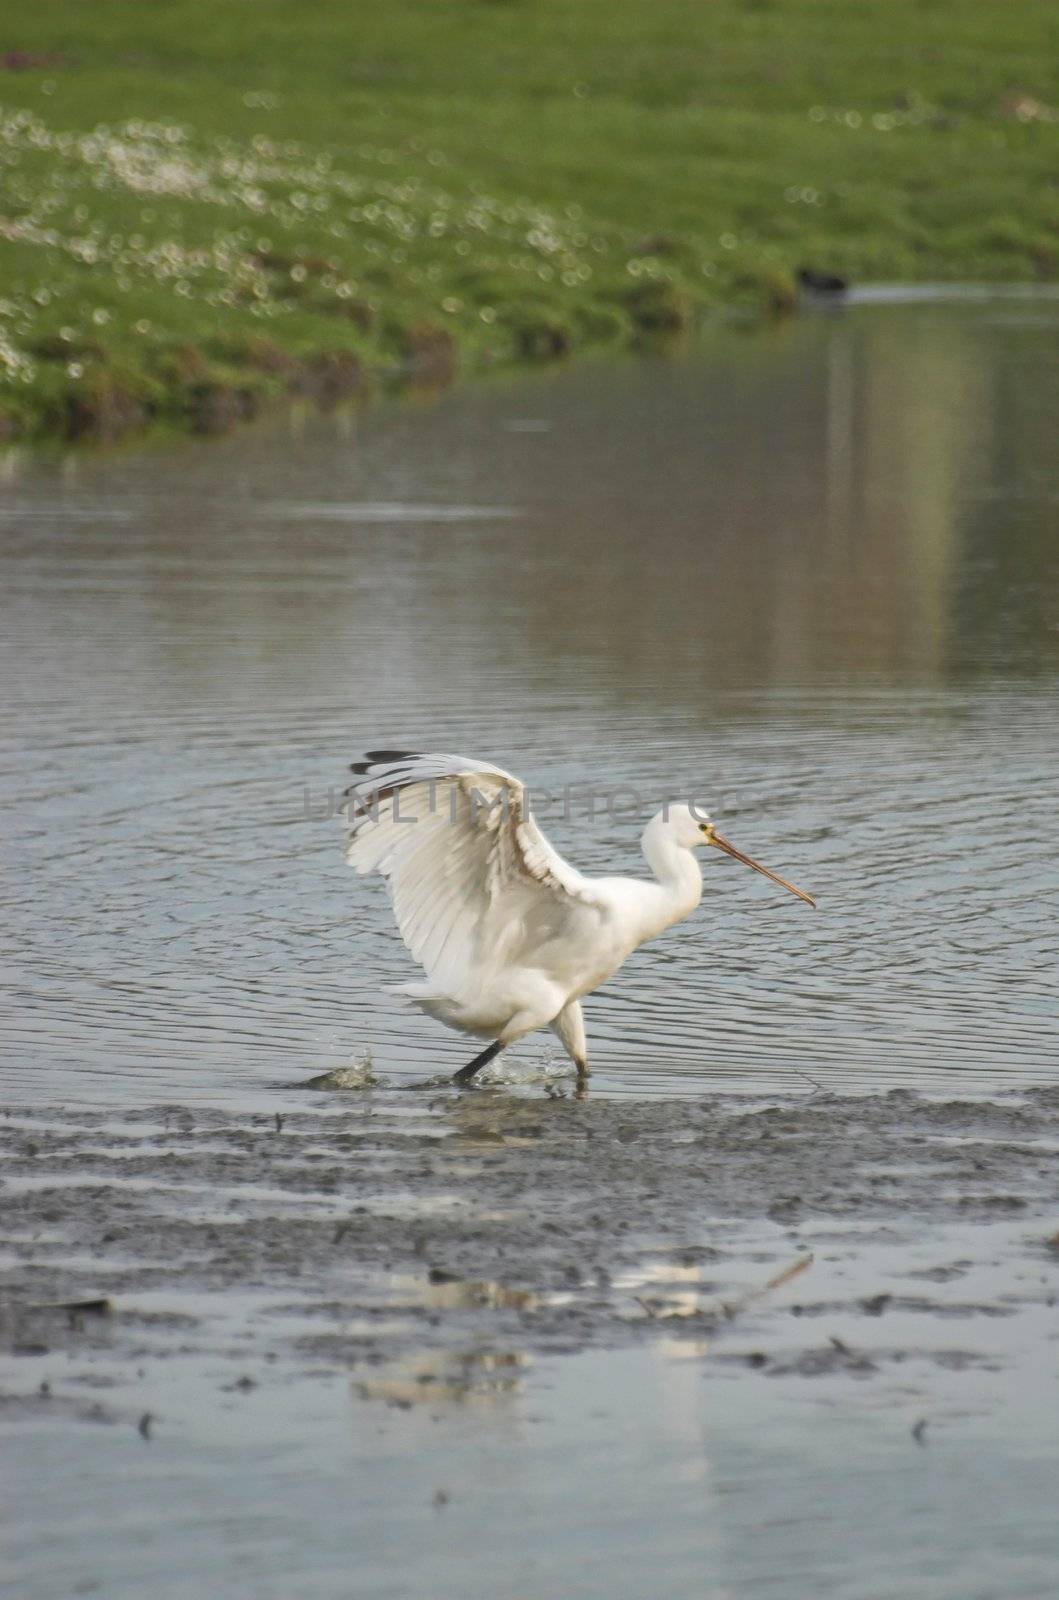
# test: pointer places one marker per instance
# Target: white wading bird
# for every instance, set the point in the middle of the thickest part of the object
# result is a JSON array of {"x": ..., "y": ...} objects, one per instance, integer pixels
[{"x": 509, "y": 934}]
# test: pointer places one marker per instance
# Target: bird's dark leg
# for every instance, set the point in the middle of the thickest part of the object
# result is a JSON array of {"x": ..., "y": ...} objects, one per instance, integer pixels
[{"x": 468, "y": 1073}]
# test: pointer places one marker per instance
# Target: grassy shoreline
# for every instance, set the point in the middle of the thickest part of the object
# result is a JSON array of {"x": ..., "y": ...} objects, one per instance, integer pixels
[{"x": 203, "y": 209}]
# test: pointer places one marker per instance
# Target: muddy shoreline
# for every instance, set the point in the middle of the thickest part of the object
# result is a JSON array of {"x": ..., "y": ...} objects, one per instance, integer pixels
[
  {"x": 384, "y": 1343},
  {"x": 387, "y": 1223}
]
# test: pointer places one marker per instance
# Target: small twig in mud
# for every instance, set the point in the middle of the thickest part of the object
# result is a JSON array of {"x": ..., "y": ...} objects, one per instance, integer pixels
[
  {"x": 279, "y": 1123},
  {"x": 855, "y": 1361},
  {"x": 818, "y": 1087},
  {"x": 144, "y": 1425},
  {"x": 788, "y": 1273},
  {"x": 919, "y": 1431},
  {"x": 99, "y": 1306},
  {"x": 732, "y": 1308}
]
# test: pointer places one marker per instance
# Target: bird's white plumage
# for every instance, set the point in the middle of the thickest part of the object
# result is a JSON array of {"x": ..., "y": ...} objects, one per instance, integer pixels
[
  {"x": 475, "y": 885},
  {"x": 509, "y": 934}
]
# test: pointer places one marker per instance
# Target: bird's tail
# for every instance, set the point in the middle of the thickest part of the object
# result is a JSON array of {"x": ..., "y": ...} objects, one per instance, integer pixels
[{"x": 442, "y": 1007}]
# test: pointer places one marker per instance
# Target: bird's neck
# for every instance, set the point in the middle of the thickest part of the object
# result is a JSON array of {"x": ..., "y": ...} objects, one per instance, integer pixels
[{"x": 678, "y": 886}]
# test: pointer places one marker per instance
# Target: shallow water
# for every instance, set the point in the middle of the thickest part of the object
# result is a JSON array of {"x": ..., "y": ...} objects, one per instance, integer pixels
[
  {"x": 809, "y": 574},
  {"x": 525, "y": 1492}
]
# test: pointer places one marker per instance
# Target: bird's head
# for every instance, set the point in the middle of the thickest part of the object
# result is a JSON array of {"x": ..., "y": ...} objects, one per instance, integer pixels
[{"x": 692, "y": 829}]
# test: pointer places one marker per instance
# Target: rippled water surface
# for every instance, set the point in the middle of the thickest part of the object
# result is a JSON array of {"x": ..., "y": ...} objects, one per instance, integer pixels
[{"x": 809, "y": 575}]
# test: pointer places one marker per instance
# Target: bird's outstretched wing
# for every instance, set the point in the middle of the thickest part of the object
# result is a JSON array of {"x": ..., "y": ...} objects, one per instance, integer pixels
[{"x": 472, "y": 878}]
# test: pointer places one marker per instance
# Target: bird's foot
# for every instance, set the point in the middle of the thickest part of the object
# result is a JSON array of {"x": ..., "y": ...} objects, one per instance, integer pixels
[{"x": 466, "y": 1076}]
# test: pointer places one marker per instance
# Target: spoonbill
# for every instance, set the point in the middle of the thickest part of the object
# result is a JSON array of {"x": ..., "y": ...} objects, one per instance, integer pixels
[{"x": 509, "y": 934}]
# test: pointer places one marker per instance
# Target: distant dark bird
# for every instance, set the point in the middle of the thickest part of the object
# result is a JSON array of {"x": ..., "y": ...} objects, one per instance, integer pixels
[{"x": 822, "y": 282}]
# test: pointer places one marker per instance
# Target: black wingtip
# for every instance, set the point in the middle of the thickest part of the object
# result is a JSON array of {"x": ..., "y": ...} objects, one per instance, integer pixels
[{"x": 376, "y": 758}]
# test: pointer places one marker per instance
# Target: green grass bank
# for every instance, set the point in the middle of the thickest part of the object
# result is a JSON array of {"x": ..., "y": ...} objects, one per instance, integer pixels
[{"x": 206, "y": 204}]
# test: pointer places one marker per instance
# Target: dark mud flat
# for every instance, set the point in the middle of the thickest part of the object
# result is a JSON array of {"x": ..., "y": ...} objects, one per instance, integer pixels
[
  {"x": 481, "y": 1214},
  {"x": 827, "y": 1276}
]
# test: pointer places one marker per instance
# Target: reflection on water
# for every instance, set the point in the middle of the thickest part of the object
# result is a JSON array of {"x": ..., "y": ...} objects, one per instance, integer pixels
[
  {"x": 444, "y": 1291},
  {"x": 669, "y": 1289},
  {"x": 485, "y": 1378},
  {"x": 810, "y": 574}
]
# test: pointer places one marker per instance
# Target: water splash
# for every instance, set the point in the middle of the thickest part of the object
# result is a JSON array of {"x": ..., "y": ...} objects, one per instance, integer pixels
[
  {"x": 358, "y": 1074},
  {"x": 546, "y": 1064}
]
